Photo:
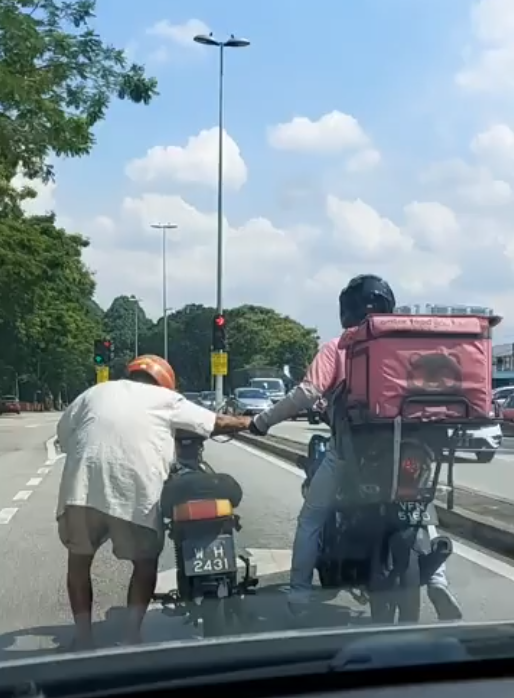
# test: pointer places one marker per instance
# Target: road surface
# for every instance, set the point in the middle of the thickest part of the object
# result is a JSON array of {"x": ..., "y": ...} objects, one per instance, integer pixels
[
  {"x": 495, "y": 479},
  {"x": 34, "y": 614}
]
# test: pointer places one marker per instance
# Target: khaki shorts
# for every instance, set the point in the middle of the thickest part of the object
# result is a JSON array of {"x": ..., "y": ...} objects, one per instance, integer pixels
[{"x": 83, "y": 530}]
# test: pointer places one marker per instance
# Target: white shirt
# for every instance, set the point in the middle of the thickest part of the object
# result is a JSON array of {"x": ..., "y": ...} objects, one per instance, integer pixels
[{"x": 119, "y": 443}]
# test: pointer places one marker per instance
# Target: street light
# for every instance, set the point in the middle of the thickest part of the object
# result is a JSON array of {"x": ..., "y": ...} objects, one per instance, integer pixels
[
  {"x": 231, "y": 42},
  {"x": 136, "y": 302},
  {"x": 164, "y": 227}
]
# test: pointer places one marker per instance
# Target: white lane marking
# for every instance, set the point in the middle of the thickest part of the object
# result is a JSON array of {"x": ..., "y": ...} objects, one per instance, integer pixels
[
  {"x": 7, "y": 514},
  {"x": 34, "y": 481},
  {"x": 492, "y": 564},
  {"x": 43, "y": 471},
  {"x": 22, "y": 495},
  {"x": 33, "y": 426},
  {"x": 271, "y": 459},
  {"x": 51, "y": 451}
]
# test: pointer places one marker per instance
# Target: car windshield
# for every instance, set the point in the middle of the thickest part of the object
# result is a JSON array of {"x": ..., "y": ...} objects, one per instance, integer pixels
[
  {"x": 268, "y": 384},
  {"x": 328, "y": 204},
  {"x": 251, "y": 394}
]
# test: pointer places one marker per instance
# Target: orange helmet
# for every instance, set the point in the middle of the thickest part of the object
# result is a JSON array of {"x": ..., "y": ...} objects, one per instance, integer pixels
[{"x": 156, "y": 367}]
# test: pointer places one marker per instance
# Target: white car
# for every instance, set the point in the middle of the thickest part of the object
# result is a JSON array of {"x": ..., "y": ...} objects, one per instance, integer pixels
[
  {"x": 483, "y": 442},
  {"x": 501, "y": 394}
]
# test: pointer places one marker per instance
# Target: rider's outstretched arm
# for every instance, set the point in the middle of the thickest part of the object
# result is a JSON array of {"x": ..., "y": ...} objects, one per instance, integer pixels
[
  {"x": 323, "y": 373},
  {"x": 188, "y": 416}
]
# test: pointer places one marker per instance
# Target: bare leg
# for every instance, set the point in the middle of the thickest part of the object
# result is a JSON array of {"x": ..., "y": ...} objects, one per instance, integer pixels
[
  {"x": 141, "y": 588},
  {"x": 80, "y": 593}
]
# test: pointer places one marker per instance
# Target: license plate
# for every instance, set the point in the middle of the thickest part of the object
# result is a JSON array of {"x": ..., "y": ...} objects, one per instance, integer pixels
[
  {"x": 416, "y": 513},
  {"x": 209, "y": 556}
]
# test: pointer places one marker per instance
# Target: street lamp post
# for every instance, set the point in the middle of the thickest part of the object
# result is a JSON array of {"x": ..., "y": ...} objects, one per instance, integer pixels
[
  {"x": 136, "y": 302},
  {"x": 164, "y": 227},
  {"x": 231, "y": 42}
]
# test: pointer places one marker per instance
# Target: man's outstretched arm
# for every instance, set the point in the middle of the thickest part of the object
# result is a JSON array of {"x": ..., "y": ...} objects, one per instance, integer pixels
[
  {"x": 319, "y": 378},
  {"x": 187, "y": 416},
  {"x": 228, "y": 424}
]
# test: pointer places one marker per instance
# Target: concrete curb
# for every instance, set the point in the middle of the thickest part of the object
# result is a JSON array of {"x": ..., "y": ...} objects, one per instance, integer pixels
[{"x": 485, "y": 532}]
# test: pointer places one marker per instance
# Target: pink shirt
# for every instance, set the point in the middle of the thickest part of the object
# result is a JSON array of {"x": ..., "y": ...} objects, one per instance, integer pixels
[{"x": 328, "y": 367}]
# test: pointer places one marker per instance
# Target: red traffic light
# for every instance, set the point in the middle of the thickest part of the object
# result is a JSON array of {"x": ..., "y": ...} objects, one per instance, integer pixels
[
  {"x": 219, "y": 320},
  {"x": 107, "y": 343}
]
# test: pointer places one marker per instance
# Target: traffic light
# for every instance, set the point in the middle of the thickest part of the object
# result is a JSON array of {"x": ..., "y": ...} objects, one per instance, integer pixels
[
  {"x": 219, "y": 340},
  {"x": 103, "y": 353}
]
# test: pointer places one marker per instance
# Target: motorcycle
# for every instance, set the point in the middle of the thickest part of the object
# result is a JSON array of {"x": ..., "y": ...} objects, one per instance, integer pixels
[
  {"x": 199, "y": 505},
  {"x": 376, "y": 543}
]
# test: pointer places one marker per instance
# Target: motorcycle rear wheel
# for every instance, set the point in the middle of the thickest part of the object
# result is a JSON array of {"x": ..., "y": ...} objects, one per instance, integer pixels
[
  {"x": 403, "y": 603},
  {"x": 219, "y": 618}
]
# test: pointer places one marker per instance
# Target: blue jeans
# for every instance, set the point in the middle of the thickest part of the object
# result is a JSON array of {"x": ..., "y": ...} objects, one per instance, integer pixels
[{"x": 316, "y": 508}]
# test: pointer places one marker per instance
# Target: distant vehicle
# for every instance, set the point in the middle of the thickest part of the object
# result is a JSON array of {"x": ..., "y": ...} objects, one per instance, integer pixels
[
  {"x": 500, "y": 395},
  {"x": 248, "y": 402},
  {"x": 192, "y": 397},
  {"x": 9, "y": 404},
  {"x": 208, "y": 399},
  {"x": 273, "y": 386},
  {"x": 508, "y": 416}
]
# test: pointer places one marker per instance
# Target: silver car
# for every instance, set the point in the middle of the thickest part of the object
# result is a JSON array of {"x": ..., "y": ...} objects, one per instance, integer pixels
[
  {"x": 208, "y": 399},
  {"x": 248, "y": 401}
]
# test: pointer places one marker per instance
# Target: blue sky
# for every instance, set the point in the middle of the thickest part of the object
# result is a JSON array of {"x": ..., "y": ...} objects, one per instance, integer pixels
[{"x": 395, "y": 66}]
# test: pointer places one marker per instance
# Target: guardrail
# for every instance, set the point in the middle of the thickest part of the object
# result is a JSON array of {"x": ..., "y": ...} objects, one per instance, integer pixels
[{"x": 477, "y": 518}]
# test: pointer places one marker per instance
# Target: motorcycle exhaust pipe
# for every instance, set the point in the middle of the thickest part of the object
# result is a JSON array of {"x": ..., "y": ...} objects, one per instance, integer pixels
[{"x": 441, "y": 548}]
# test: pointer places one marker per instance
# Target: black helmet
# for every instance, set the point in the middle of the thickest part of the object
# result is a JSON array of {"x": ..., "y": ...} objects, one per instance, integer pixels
[{"x": 364, "y": 295}]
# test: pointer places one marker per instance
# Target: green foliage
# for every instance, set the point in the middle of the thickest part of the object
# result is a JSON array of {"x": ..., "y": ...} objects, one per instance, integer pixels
[
  {"x": 46, "y": 316},
  {"x": 57, "y": 79}
]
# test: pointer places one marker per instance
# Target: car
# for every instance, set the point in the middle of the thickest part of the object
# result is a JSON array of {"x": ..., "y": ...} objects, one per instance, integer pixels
[
  {"x": 500, "y": 395},
  {"x": 9, "y": 404},
  {"x": 248, "y": 402},
  {"x": 483, "y": 442},
  {"x": 508, "y": 416},
  {"x": 192, "y": 397},
  {"x": 208, "y": 399}
]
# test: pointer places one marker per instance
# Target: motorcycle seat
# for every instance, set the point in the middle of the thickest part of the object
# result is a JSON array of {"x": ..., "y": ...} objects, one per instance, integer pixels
[{"x": 192, "y": 486}]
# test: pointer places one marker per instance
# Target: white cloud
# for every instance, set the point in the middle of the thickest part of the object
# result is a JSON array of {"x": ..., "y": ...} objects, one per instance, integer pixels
[
  {"x": 331, "y": 133},
  {"x": 490, "y": 64},
  {"x": 364, "y": 161},
  {"x": 44, "y": 202},
  {"x": 472, "y": 185},
  {"x": 195, "y": 163},
  {"x": 495, "y": 146},
  {"x": 181, "y": 34}
]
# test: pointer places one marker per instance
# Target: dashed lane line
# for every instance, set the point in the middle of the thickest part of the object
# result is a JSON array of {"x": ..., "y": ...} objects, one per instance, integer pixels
[
  {"x": 22, "y": 495},
  {"x": 7, "y": 514}
]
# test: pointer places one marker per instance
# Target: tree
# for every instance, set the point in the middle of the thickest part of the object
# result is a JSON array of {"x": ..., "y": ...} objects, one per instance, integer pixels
[
  {"x": 256, "y": 336},
  {"x": 261, "y": 336},
  {"x": 119, "y": 324},
  {"x": 57, "y": 79},
  {"x": 46, "y": 318}
]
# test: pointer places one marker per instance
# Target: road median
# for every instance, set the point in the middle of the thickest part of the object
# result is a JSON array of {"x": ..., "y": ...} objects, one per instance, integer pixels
[{"x": 477, "y": 518}]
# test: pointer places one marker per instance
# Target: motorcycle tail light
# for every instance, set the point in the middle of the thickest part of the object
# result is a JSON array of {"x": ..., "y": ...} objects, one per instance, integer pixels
[{"x": 202, "y": 510}]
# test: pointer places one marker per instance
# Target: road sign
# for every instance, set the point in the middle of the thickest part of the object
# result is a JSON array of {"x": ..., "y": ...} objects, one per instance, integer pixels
[
  {"x": 102, "y": 374},
  {"x": 219, "y": 363}
]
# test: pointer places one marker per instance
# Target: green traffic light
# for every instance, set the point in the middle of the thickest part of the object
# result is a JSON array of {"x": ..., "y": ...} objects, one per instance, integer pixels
[{"x": 98, "y": 359}]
